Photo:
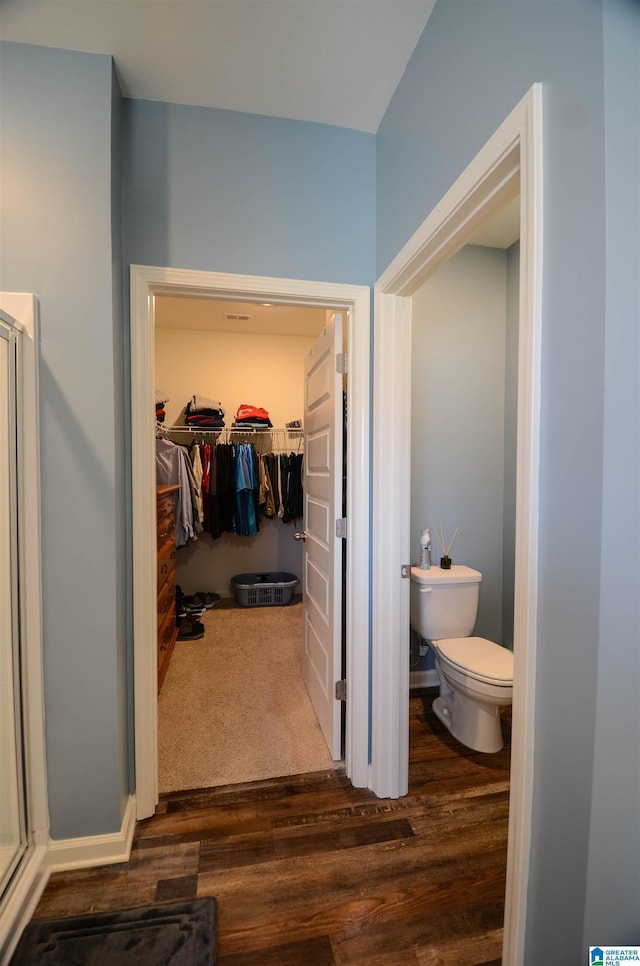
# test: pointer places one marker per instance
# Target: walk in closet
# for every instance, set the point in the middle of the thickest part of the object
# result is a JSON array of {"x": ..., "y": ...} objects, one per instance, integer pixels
[{"x": 237, "y": 355}]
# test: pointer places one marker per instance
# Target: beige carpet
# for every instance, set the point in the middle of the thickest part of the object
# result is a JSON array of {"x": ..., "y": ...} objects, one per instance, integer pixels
[{"x": 233, "y": 706}]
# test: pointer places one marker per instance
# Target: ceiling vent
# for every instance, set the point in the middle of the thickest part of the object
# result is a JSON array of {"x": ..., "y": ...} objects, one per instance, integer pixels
[{"x": 231, "y": 317}]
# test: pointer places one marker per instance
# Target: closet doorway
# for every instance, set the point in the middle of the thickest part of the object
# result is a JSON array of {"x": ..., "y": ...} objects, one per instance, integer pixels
[
  {"x": 233, "y": 705},
  {"x": 149, "y": 284}
]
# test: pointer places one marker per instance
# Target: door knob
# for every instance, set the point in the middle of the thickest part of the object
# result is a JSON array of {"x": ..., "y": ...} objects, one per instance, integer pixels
[{"x": 300, "y": 536}]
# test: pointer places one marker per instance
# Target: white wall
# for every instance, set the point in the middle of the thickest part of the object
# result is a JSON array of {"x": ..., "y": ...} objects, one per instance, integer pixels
[
  {"x": 458, "y": 418},
  {"x": 260, "y": 370}
]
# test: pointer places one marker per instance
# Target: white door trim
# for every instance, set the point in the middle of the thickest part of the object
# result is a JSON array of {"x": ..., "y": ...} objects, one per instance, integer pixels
[
  {"x": 146, "y": 283},
  {"x": 511, "y": 161}
]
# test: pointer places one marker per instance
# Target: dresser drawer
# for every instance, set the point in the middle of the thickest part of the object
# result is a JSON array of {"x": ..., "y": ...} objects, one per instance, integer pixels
[
  {"x": 166, "y": 630},
  {"x": 166, "y": 575},
  {"x": 165, "y": 504},
  {"x": 166, "y": 597},
  {"x": 166, "y": 561},
  {"x": 165, "y": 529}
]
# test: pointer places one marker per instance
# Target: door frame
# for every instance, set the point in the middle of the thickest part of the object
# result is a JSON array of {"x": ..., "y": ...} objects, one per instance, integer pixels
[
  {"x": 509, "y": 163},
  {"x": 147, "y": 282}
]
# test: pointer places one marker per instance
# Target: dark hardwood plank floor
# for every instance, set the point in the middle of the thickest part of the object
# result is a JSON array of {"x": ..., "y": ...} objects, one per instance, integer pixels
[{"x": 308, "y": 870}]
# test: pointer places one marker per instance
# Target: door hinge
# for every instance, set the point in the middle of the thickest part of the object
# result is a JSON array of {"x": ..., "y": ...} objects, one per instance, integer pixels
[
  {"x": 342, "y": 362},
  {"x": 341, "y": 528},
  {"x": 341, "y": 690},
  {"x": 405, "y": 570}
]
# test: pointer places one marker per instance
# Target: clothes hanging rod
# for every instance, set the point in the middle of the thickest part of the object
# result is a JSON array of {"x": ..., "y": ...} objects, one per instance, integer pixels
[{"x": 228, "y": 430}]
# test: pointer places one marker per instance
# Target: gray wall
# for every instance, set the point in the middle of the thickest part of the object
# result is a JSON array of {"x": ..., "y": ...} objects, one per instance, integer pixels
[
  {"x": 121, "y": 409},
  {"x": 58, "y": 123},
  {"x": 226, "y": 192},
  {"x": 471, "y": 66},
  {"x": 613, "y": 885},
  {"x": 458, "y": 418}
]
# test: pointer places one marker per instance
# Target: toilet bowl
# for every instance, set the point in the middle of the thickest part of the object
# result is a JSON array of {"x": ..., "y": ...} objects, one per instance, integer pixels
[
  {"x": 475, "y": 675},
  {"x": 476, "y": 680}
]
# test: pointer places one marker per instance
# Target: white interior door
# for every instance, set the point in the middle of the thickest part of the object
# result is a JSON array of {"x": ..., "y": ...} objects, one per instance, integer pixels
[{"x": 322, "y": 590}]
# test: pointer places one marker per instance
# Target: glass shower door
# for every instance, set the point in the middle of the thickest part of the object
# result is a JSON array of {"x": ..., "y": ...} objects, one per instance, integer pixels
[{"x": 13, "y": 839}]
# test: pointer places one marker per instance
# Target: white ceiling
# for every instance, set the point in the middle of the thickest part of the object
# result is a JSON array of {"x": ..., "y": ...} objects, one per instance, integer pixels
[
  {"x": 210, "y": 315},
  {"x": 329, "y": 61}
]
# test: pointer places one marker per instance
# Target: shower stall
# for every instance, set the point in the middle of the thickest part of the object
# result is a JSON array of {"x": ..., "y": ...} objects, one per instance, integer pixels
[
  {"x": 23, "y": 802},
  {"x": 13, "y": 835}
]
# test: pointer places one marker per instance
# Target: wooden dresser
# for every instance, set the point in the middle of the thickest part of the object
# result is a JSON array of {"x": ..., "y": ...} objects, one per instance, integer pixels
[{"x": 166, "y": 543}]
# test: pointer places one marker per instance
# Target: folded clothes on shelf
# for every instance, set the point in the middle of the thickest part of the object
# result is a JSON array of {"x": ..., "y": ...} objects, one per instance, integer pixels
[
  {"x": 252, "y": 416},
  {"x": 247, "y": 425},
  {"x": 208, "y": 420},
  {"x": 161, "y": 400},
  {"x": 204, "y": 412},
  {"x": 197, "y": 403}
]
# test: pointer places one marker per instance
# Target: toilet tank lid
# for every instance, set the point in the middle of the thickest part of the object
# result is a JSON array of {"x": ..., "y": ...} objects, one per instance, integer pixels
[
  {"x": 486, "y": 659},
  {"x": 436, "y": 575}
]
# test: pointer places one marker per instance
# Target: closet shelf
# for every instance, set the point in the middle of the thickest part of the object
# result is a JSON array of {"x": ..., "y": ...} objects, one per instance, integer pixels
[{"x": 227, "y": 431}]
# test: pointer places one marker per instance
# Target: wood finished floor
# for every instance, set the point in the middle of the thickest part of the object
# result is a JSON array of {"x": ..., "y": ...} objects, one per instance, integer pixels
[{"x": 308, "y": 870}]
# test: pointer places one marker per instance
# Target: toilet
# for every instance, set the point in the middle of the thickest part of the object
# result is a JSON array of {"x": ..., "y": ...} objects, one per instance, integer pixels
[{"x": 476, "y": 675}]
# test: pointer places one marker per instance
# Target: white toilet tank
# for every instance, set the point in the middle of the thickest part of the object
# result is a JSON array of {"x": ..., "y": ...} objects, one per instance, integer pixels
[{"x": 444, "y": 603}]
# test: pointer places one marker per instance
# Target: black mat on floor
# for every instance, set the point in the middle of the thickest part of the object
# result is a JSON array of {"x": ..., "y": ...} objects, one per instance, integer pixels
[{"x": 171, "y": 934}]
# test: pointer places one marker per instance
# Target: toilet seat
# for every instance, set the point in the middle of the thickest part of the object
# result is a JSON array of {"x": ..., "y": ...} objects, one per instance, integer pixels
[{"x": 482, "y": 660}]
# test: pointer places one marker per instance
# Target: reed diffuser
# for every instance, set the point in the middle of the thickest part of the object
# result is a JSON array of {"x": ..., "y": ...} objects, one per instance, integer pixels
[{"x": 445, "y": 559}]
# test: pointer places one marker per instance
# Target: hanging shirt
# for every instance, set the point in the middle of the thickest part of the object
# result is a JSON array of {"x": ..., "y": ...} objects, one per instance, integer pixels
[
  {"x": 198, "y": 475},
  {"x": 171, "y": 468},
  {"x": 246, "y": 482}
]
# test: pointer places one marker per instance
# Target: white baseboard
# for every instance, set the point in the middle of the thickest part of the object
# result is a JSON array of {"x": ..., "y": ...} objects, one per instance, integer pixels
[
  {"x": 23, "y": 897},
  {"x": 82, "y": 853},
  {"x": 423, "y": 679}
]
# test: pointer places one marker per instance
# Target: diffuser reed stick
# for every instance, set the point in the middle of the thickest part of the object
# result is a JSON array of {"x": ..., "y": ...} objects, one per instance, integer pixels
[
  {"x": 453, "y": 540},
  {"x": 445, "y": 559},
  {"x": 443, "y": 546}
]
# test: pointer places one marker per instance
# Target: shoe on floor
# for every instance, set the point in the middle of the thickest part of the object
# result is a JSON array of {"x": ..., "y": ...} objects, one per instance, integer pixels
[
  {"x": 201, "y": 600},
  {"x": 208, "y": 599},
  {"x": 190, "y": 631},
  {"x": 187, "y": 612},
  {"x": 191, "y": 610}
]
